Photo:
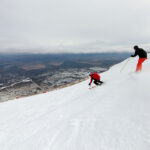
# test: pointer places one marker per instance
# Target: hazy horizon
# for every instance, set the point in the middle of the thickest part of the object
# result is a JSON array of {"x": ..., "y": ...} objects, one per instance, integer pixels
[
  {"x": 64, "y": 53},
  {"x": 73, "y": 26}
]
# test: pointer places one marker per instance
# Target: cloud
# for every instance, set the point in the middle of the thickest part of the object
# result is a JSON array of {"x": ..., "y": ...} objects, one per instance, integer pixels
[{"x": 73, "y": 25}]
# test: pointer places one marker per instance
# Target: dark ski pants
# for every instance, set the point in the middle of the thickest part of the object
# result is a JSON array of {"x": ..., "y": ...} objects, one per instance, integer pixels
[{"x": 98, "y": 82}]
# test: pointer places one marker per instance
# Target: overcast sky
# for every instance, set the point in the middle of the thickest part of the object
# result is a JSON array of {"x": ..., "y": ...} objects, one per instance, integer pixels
[{"x": 74, "y": 25}]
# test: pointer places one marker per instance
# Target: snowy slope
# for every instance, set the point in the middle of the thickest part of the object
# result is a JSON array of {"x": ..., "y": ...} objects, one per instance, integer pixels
[{"x": 115, "y": 116}]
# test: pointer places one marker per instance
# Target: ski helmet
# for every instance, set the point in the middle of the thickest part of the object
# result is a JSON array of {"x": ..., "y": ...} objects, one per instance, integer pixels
[{"x": 136, "y": 47}]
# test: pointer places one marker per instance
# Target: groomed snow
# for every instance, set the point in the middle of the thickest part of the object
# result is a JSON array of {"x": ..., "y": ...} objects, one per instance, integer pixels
[{"x": 115, "y": 116}]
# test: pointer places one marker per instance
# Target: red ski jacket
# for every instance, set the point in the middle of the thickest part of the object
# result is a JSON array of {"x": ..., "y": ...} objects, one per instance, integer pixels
[{"x": 95, "y": 76}]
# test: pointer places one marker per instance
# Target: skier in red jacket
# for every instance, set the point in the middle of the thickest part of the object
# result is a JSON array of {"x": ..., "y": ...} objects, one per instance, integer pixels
[{"x": 96, "y": 78}]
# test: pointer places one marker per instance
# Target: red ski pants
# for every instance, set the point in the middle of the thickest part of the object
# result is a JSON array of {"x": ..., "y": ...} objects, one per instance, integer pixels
[{"x": 139, "y": 64}]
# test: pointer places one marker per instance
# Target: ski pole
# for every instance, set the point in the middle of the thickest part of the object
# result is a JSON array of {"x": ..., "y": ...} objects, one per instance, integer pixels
[{"x": 125, "y": 64}]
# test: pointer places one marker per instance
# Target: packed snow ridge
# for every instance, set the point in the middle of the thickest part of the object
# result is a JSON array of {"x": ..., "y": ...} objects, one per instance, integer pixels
[{"x": 114, "y": 116}]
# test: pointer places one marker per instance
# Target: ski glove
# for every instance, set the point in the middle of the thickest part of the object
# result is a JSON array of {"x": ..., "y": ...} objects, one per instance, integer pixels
[{"x": 89, "y": 84}]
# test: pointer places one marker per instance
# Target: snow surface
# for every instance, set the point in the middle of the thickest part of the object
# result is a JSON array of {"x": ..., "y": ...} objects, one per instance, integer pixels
[{"x": 115, "y": 116}]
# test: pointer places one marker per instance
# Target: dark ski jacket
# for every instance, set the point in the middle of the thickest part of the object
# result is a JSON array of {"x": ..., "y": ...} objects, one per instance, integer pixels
[
  {"x": 140, "y": 52},
  {"x": 94, "y": 76}
]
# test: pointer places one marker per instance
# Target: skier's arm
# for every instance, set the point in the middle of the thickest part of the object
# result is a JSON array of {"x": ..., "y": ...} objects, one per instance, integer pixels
[
  {"x": 136, "y": 53},
  {"x": 90, "y": 81}
]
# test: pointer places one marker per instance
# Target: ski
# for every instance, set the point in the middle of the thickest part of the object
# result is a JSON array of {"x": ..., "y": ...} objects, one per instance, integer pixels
[{"x": 92, "y": 87}]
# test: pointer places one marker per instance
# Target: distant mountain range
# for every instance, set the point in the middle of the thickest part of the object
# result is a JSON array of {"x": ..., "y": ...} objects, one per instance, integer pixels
[{"x": 45, "y": 71}]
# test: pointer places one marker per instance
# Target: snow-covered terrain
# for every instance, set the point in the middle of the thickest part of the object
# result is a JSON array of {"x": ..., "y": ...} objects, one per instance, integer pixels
[{"x": 115, "y": 116}]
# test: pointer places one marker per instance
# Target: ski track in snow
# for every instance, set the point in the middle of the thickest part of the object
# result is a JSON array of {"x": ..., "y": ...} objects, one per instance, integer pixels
[{"x": 114, "y": 116}]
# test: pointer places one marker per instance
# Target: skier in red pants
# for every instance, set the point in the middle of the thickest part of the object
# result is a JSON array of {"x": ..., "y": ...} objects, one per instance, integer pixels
[
  {"x": 96, "y": 78},
  {"x": 142, "y": 57}
]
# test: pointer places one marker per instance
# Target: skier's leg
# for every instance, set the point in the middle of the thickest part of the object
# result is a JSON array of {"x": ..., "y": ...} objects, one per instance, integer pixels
[
  {"x": 100, "y": 82},
  {"x": 95, "y": 82},
  {"x": 139, "y": 64}
]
